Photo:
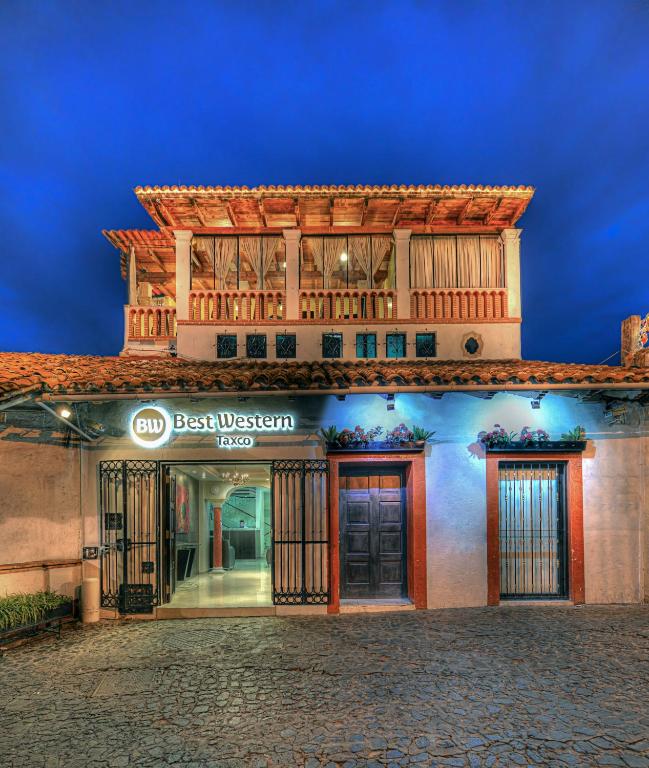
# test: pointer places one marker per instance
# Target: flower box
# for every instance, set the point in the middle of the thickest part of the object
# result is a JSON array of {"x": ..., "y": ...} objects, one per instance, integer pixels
[
  {"x": 377, "y": 447},
  {"x": 548, "y": 446}
]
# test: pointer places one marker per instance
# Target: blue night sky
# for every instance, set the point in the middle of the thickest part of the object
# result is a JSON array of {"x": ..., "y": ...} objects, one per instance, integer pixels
[{"x": 96, "y": 98}]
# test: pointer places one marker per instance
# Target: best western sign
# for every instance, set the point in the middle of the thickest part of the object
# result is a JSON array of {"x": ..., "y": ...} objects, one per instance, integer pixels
[{"x": 151, "y": 426}]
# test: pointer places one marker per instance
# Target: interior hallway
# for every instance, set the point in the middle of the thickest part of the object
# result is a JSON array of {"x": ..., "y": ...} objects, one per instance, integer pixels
[{"x": 247, "y": 585}]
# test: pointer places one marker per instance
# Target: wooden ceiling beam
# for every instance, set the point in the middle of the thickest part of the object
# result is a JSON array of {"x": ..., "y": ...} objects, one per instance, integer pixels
[
  {"x": 364, "y": 211},
  {"x": 156, "y": 259},
  {"x": 296, "y": 211},
  {"x": 262, "y": 213},
  {"x": 197, "y": 211},
  {"x": 432, "y": 210},
  {"x": 231, "y": 216},
  {"x": 463, "y": 213},
  {"x": 395, "y": 218},
  {"x": 491, "y": 214},
  {"x": 166, "y": 213}
]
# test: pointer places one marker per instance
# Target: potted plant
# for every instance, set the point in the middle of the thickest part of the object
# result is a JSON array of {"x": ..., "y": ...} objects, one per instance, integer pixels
[
  {"x": 421, "y": 436},
  {"x": 330, "y": 436},
  {"x": 498, "y": 437},
  {"x": 399, "y": 436},
  {"x": 21, "y": 611},
  {"x": 530, "y": 437}
]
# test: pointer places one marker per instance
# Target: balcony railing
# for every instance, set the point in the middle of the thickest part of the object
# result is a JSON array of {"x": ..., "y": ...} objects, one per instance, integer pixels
[
  {"x": 232, "y": 306},
  {"x": 458, "y": 304},
  {"x": 151, "y": 322},
  {"x": 349, "y": 305}
]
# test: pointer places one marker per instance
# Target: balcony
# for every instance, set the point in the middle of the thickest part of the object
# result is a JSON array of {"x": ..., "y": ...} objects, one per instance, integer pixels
[
  {"x": 348, "y": 305},
  {"x": 150, "y": 323},
  {"x": 236, "y": 306},
  {"x": 458, "y": 305}
]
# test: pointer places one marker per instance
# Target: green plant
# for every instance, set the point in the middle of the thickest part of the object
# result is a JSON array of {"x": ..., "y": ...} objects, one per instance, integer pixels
[
  {"x": 497, "y": 437},
  {"x": 330, "y": 434},
  {"x": 578, "y": 433},
  {"x": 16, "y": 610},
  {"x": 419, "y": 434}
]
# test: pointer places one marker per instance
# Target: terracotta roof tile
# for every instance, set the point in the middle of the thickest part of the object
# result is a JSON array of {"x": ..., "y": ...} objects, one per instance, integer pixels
[{"x": 77, "y": 375}]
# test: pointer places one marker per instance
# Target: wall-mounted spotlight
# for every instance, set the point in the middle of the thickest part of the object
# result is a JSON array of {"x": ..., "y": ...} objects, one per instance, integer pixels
[
  {"x": 64, "y": 412},
  {"x": 341, "y": 398},
  {"x": 536, "y": 404},
  {"x": 390, "y": 404}
]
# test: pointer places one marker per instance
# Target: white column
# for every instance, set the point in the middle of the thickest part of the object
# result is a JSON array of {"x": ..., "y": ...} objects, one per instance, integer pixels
[
  {"x": 402, "y": 256},
  {"x": 183, "y": 274},
  {"x": 292, "y": 240},
  {"x": 512, "y": 250},
  {"x": 132, "y": 277}
]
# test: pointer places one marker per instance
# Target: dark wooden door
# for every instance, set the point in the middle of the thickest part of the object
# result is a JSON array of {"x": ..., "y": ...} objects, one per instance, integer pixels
[{"x": 372, "y": 533}]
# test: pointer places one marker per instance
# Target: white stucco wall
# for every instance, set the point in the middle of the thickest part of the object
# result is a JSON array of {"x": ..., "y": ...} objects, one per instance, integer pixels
[
  {"x": 41, "y": 495},
  {"x": 500, "y": 340}
]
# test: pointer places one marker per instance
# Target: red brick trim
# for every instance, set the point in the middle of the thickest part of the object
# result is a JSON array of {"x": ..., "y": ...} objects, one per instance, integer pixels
[
  {"x": 415, "y": 472},
  {"x": 575, "y": 513}
]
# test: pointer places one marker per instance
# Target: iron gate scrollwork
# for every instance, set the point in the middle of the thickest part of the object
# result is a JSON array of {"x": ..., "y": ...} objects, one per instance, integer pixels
[
  {"x": 128, "y": 504},
  {"x": 300, "y": 532}
]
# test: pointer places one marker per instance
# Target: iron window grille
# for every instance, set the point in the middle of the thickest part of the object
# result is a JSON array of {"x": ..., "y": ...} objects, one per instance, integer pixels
[
  {"x": 285, "y": 345},
  {"x": 532, "y": 530},
  {"x": 256, "y": 345},
  {"x": 395, "y": 345},
  {"x": 426, "y": 344},
  {"x": 471, "y": 345},
  {"x": 332, "y": 345},
  {"x": 365, "y": 345},
  {"x": 226, "y": 345}
]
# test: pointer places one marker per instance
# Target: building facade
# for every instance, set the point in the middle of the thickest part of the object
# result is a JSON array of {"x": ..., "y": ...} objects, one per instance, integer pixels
[{"x": 296, "y": 420}]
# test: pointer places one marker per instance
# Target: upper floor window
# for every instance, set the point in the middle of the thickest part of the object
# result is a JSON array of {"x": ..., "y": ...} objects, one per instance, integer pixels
[
  {"x": 256, "y": 345},
  {"x": 457, "y": 261},
  {"x": 226, "y": 345},
  {"x": 285, "y": 345},
  {"x": 238, "y": 263},
  {"x": 365, "y": 345},
  {"x": 426, "y": 345},
  {"x": 357, "y": 261},
  {"x": 332, "y": 345},
  {"x": 395, "y": 345}
]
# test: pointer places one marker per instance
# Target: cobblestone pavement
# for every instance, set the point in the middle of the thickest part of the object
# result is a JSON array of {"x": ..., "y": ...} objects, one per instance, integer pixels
[{"x": 481, "y": 687}]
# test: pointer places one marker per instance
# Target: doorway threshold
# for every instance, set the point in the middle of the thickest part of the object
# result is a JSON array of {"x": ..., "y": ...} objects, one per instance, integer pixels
[
  {"x": 165, "y": 612},
  {"x": 376, "y": 606}
]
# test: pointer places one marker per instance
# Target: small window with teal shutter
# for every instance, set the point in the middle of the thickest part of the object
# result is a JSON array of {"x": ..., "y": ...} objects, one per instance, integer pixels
[
  {"x": 426, "y": 345},
  {"x": 395, "y": 345},
  {"x": 365, "y": 345}
]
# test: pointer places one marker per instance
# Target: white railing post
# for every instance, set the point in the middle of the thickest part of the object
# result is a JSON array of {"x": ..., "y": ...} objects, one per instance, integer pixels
[
  {"x": 183, "y": 275},
  {"x": 402, "y": 264},
  {"x": 292, "y": 245}
]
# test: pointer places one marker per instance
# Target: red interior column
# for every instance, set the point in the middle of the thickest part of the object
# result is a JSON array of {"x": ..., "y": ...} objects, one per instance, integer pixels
[{"x": 217, "y": 542}]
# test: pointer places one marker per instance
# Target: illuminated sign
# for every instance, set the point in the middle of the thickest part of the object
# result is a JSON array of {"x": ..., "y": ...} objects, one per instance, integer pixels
[{"x": 151, "y": 426}]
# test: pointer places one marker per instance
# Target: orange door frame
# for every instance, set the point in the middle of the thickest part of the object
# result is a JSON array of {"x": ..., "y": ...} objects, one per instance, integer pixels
[
  {"x": 415, "y": 474},
  {"x": 574, "y": 512}
]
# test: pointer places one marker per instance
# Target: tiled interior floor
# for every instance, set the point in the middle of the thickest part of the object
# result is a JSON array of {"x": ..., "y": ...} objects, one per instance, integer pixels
[{"x": 246, "y": 585}]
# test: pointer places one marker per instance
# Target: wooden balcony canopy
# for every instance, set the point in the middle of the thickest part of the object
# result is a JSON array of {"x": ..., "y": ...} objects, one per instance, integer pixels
[
  {"x": 334, "y": 208},
  {"x": 314, "y": 209}
]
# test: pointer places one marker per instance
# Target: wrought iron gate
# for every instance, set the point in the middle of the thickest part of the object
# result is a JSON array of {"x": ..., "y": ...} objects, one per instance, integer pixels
[
  {"x": 128, "y": 504},
  {"x": 532, "y": 515},
  {"x": 300, "y": 532}
]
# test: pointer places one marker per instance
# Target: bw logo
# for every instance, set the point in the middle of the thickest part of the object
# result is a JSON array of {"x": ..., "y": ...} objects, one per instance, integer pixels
[{"x": 150, "y": 426}]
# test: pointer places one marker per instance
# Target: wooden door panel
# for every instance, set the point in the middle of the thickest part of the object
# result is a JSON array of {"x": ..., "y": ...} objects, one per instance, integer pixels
[{"x": 372, "y": 556}]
